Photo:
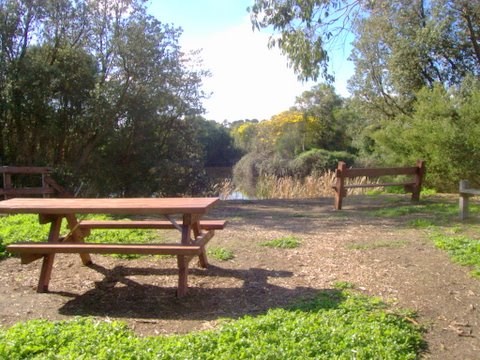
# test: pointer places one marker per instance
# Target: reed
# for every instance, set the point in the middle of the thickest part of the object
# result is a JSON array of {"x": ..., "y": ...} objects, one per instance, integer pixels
[
  {"x": 316, "y": 185},
  {"x": 224, "y": 189},
  {"x": 276, "y": 187}
]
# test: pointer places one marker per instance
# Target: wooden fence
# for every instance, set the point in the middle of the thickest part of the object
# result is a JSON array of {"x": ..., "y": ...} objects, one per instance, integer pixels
[{"x": 29, "y": 181}]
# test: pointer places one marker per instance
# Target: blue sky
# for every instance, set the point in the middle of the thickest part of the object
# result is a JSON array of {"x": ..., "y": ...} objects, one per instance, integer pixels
[{"x": 249, "y": 81}]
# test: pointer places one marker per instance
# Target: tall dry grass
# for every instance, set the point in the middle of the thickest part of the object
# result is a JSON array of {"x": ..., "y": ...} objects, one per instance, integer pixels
[
  {"x": 317, "y": 185},
  {"x": 275, "y": 187}
]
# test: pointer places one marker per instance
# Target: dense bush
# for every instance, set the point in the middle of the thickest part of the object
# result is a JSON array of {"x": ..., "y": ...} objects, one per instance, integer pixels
[
  {"x": 256, "y": 164},
  {"x": 318, "y": 161},
  {"x": 443, "y": 130}
]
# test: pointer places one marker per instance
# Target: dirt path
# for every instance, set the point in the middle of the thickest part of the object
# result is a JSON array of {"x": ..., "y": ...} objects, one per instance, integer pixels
[{"x": 381, "y": 256}]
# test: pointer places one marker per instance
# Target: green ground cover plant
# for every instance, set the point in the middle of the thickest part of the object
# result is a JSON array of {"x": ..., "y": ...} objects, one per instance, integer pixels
[
  {"x": 336, "y": 324},
  {"x": 379, "y": 244},
  {"x": 462, "y": 250},
  {"x": 220, "y": 253},
  {"x": 285, "y": 242}
]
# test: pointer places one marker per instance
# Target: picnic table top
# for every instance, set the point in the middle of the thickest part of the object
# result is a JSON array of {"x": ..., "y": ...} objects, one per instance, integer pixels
[{"x": 190, "y": 205}]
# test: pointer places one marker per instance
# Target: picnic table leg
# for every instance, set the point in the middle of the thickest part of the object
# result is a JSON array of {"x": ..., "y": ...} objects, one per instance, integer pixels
[
  {"x": 47, "y": 264},
  {"x": 202, "y": 258},
  {"x": 77, "y": 236},
  {"x": 182, "y": 275}
]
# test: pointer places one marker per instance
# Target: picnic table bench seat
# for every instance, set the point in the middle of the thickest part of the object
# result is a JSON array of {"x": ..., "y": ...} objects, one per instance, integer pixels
[
  {"x": 27, "y": 249},
  {"x": 145, "y": 224}
]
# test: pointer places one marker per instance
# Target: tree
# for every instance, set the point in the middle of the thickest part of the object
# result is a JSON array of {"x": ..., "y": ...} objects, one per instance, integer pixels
[
  {"x": 443, "y": 130},
  {"x": 402, "y": 46},
  {"x": 326, "y": 125},
  {"x": 217, "y": 143},
  {"x": 425, "y": 41},
  {"x": 305, "y": 28},
  {"x": 111, "y": 92}
]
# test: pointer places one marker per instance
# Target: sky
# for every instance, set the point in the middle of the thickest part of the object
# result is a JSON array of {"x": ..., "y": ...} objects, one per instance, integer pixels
[{"x": 248, "y": 80}]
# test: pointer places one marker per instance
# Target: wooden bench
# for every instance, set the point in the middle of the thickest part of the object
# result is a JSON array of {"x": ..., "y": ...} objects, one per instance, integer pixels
[
  {"x": 413, "y": 185},
  {"x": 40, "y": 176},
  {"x": 465, "y": 192}
]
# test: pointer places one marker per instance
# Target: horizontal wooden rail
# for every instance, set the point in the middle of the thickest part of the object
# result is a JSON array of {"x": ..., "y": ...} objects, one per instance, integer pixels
[
  {"x": 145, "y": 224},
  {"x": 377, "y": 172},
  {"x": 412, "y": 185},
  {"x": 27, "y": 170}
]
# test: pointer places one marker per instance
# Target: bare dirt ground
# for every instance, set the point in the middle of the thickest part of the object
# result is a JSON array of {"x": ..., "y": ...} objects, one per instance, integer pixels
[{"x": 381, "y": 256}]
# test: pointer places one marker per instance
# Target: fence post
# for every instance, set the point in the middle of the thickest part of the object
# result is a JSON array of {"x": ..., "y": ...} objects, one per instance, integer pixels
[
  {"x": 417, "y": 188},
  {"x": 340, "y": 184}
]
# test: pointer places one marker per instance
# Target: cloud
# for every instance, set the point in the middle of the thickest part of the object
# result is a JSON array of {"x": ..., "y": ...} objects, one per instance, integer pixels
[{"x": 249, "y": 81}]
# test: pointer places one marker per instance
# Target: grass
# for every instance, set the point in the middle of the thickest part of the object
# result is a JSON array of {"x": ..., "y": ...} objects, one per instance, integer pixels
[
  {"x": 440, "y": 221},
  {"x": 220, "y": 253},
  {"x": 336, "y": 324},
  {"x": 286, "y": 242},
  {"x": 379, "y": 244},
  {"x": 462, "y": 250}
]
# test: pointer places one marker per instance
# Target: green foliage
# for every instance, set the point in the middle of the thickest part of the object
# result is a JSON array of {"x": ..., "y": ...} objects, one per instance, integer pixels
[
  {"x": 286, "y": 242},
  {"x": 218, "y": 145},
  {"x": 441, "y": 132},
  {"x": 379, "y": 244},
  {"x": 15, "y": 228},
  {"x": 344, "y": 285},
  {"x": 220, "y": 253},
  {"x": 335, "y": 324},
  {"x": 318, "y": 161},
  {"x": 462, "y": 249},
  {"x": 77, "y": 339},
  {"x": 421, "y": 223},
  {"x": 102, "y": 92}
]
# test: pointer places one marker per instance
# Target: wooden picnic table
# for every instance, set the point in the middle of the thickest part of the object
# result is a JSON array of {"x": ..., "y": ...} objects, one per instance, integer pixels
[{"x": 194, "y": 234}]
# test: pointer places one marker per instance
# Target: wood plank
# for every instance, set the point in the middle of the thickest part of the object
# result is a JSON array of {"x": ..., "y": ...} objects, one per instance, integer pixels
[
  {"x": 470, "y": 192},
  {"x": 132, "y": 206},
  {"x": 27, "y": 191},
  {"x": 45, "y": 248},
  {"x": 377, "y": 172},
  {"x": 353, "y": 186},
  {"x": 145, "y": 224},
  {"x": 25, "y": 170}
]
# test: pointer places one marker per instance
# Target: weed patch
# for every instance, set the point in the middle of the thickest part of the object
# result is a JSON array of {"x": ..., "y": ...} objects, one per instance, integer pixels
[
  {"x": 220, "y": 253},
  {"x": 286, "y": 242}
]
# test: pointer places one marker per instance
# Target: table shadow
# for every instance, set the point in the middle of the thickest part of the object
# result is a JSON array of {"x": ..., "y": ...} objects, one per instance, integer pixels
[{"x": 119, "y": 296}]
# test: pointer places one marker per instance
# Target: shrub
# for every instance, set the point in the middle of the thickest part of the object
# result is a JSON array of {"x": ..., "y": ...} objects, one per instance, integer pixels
[{"x": 318, "y": 161}]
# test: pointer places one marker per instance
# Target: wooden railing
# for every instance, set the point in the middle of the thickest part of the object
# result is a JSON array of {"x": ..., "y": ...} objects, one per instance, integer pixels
[
  {"x": 40, "y": 178},
  {"x": 413, "y": 184}
]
